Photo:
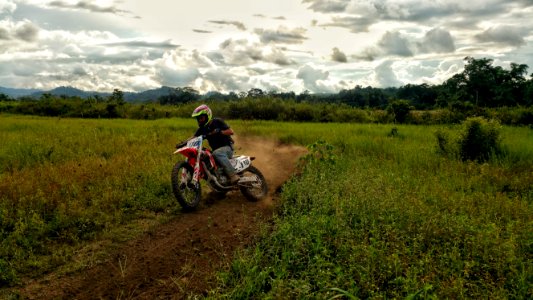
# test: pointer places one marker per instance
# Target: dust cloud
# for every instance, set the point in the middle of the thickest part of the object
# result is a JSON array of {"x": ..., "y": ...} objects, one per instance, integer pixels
[{"x": 276, "y": 161}]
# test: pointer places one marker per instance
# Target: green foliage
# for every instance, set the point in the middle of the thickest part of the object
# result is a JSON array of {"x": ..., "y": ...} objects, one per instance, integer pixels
[
  {"x": 367, "y": 216},
  {"x": 7, "y": 274},
  {"x": 393, "y": 132},
  {"x": 444, "y": 144},
  {"x": 117, "y": 97},
  {"x": 400, "y": 110},
  {"x": 4, "y": 97},
  {"x": 319, "y": 151},
  {"x": 485, "y": 85},
  {"x": 422, "y": 96},
  {"x": 479, "y": 140},
  {"x": 391, "y": 220},
  {"x": 66, "y": 181},
  {"x": 179, "y": 96},
  {"x": 265, "y": 107}
]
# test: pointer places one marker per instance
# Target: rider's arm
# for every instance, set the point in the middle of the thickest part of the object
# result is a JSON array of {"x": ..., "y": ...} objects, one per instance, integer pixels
[
  {"x": 220, "y": 127},
  {"x": 228, "y": 131}
]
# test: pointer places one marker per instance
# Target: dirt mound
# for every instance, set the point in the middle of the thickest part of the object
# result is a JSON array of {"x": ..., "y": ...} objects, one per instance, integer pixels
[{"x": 180, "y": 258}]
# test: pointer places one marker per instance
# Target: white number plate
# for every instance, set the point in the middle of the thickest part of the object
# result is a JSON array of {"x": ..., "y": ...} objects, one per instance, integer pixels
[
  {"x": 240, "y": 163},
  {"x": 194, "y": 143}
]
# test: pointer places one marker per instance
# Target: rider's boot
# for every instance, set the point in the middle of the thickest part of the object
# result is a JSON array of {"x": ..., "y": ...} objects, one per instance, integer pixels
[{"x": 233, "y": 178}]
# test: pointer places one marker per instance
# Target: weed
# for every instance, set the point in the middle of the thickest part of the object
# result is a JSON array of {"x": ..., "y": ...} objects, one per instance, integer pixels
[
  {"x": 319, "y": 151},
  {"x": 393, "y": 132}
]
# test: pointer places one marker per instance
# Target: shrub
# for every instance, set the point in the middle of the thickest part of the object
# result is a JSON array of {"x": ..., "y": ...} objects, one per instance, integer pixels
[
  {"x": 480, "y": 139},
  {"x": 400, "y": 110},
  {"x": 447, "y": 144}
]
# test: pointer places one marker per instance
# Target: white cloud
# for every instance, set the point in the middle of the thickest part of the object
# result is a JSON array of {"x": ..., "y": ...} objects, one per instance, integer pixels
[
  {"x": 237, "y": 24},
  {"x": 385, "y": 75},
  {"x": 312, "y": 77},
  {"x": 394, "y": 43},
  {"x": 338, "y": 56},
  {"x": 282, "y": 35},
  {"x": 7, "y": 6},
  {"x": 22, "y": 31},
  {"x": 225, "y": 80},
  {"x": 289, "y": 45},
  {"x": 328, "y": 6},
  {"x": 91, "y": 6},
  {"x": 505, "y": 35},
  {"x": 437, "y": 40},
  {"x": 353, "y": 23},
  {"x": 176, "y": 77},
  {"x": 27, "y": 32}
]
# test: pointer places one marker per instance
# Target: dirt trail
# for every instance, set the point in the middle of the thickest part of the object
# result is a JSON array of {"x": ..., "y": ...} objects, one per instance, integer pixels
[{"x": 179, "y": 259}]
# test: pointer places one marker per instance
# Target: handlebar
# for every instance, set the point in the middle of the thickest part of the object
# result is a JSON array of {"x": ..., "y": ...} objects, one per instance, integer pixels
[
  {"x": 184, "y": 143},
  {"x": 181, "y": 144}
]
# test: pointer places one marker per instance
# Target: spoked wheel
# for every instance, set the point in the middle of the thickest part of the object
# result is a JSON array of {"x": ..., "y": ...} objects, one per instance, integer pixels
[
  {"x": 187, "y": 194},
  {"x": 253, "y": 184}
]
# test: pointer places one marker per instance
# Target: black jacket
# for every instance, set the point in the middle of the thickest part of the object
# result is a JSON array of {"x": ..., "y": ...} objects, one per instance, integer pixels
[{"x": 215, "y": 140}]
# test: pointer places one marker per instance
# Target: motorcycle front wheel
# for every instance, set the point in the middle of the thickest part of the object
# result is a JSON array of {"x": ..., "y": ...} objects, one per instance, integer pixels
[
  {"x": 187, "y": 194},
  {"x": 255, "y": 189}
]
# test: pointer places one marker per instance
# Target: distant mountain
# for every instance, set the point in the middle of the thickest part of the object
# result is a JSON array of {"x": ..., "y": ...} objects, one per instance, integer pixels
[
  {"x": 145, "y": 96},
  {"x": 15, "y": 93},
  {"x": 149, "y": 95},
  {"x": 69, "y": 92}
]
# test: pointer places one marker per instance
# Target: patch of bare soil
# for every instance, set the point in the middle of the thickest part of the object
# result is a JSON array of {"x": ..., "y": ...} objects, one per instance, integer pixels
[{"x": 179, "y": 259}]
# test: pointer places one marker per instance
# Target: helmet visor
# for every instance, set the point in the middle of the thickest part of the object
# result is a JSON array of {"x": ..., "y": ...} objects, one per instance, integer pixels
[{"x": 202, "y": 120}]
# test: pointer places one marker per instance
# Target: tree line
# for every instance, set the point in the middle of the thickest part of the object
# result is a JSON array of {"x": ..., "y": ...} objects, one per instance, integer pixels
[{"x": 480, "y": 90}]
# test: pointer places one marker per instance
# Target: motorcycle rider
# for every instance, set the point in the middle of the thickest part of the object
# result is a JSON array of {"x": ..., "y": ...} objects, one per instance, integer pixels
[{"x": 218, "y": 135}]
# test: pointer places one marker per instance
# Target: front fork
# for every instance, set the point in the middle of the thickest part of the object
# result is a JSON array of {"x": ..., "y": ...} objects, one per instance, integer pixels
[{"x": 196, "y": 173}]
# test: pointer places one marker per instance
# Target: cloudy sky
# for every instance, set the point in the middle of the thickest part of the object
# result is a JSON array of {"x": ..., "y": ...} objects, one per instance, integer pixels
[{"x": 236, "y": 45}]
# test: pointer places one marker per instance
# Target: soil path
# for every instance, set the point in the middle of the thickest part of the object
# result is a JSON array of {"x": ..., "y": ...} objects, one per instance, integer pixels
[{"x": 179, "y": 259}]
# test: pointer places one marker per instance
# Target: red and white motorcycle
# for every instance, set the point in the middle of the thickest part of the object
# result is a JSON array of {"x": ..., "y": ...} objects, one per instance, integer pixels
[{"x": 200, "y": 164}]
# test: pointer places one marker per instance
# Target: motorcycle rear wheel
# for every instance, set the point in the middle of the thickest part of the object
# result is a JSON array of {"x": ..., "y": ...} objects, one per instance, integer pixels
[
  {"x": 257, "y": 190},
  {"x": 188, "y": 195}
]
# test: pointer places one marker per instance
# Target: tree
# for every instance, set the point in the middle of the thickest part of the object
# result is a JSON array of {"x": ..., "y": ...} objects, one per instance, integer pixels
[
  {"x": 422, "y": 96},
  {"x": 363, "y": 97},
  {"x": 180, "y": 95},
  {"x": 255, "y": 93},
  {"x": 485, "y": 85},
  {"x": 117, "y": 97},
  {"x": 400, "y": 110},
  {"x": 528, "y": 92}
]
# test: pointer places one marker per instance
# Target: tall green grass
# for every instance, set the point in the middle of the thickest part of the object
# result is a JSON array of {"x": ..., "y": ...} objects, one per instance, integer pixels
[
  {"x": 65, "y": 181},
  {"x": 385, "y": 216},
  {"x": 373, "y": 212}
]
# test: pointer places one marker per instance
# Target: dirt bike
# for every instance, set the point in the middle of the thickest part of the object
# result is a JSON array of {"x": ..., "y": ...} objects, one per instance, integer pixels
[{"x": 200, "y": 164}]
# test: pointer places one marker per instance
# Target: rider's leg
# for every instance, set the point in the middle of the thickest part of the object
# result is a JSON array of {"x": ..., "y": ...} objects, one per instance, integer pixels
[{"x": 222, "y": 155}]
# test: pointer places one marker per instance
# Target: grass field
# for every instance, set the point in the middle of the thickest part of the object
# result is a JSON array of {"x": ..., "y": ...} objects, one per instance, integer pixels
[
  {"x": 381, "y": 215},
  {"x": 63, "y": 181},
  {"x": 372, "y": 213}
]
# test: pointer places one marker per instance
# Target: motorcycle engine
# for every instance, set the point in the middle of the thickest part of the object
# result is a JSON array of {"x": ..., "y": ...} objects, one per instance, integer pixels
[{"x": 222, "y": 178}]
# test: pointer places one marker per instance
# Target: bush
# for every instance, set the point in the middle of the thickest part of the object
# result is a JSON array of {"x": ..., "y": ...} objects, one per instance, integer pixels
[
  {"x": 446, "y": 145},
  {"x": 400, "y": 110},
  {"x": 480, "y": 139}
]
